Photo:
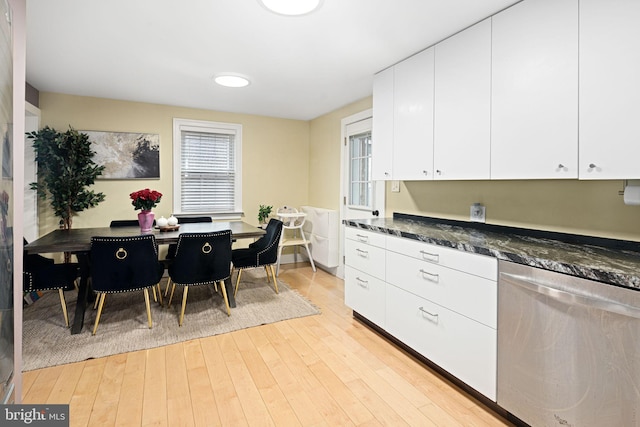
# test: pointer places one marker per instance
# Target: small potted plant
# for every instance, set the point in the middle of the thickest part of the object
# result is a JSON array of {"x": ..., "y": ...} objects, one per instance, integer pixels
[{"x": 263, "y": 213}]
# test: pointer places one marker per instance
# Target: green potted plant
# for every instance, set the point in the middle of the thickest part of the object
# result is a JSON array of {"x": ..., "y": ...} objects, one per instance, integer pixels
[
  {"x": 263, "y": 213},
  {"x": 65, "y": 170}
]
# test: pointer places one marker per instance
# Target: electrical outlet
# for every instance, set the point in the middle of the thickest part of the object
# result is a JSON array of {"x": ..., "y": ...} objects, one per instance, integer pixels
[
  {"x": 477, "y": 212},
  {"x": 395, "y": 186}
]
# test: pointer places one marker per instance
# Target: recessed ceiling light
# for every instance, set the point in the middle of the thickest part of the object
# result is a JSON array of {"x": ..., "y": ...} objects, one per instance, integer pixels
[
  {"x": 291, "y": 7},
  {"x": 230, "y": 80}
]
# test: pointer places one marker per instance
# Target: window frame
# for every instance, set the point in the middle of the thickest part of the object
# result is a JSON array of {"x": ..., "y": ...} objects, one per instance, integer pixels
[{"x": 207, "y": 127}]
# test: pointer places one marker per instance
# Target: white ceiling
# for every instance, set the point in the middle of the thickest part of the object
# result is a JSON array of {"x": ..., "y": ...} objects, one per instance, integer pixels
[{"x": 168, "y": 51}]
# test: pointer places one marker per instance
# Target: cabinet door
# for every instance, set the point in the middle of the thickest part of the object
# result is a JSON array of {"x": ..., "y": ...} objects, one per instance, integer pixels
[
  {"x": 609, "y": 89},
  {"x": 462, "y": 128},
  {"x": 413, "y": 117},
  {"x": 534, "y": 123},
  {"x": 382, "y": 132}
]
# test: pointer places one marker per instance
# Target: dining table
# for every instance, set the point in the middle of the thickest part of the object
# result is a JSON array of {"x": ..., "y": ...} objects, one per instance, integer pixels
[{"x": 78, "y": 242}]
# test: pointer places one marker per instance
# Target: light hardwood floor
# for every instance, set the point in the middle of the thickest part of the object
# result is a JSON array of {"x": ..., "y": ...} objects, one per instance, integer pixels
[{"x": 325, "y": 370}]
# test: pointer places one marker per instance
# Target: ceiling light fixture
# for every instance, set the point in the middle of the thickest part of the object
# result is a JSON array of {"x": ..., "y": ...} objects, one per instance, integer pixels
[
  {"x": 231, "y": 80},
  {"x": 291, "y": 7}
]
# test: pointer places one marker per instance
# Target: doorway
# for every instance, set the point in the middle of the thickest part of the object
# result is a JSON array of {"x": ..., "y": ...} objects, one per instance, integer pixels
[{"x": 361, "y": 197}]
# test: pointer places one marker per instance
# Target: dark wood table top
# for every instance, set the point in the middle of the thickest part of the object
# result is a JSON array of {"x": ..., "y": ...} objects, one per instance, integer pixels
[{"x": 79, "y": 239}]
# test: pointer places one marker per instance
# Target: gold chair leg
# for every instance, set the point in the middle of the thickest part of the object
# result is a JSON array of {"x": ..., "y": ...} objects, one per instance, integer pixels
[
  {"x": 184, "y": 304},
  {"x": 146, "y": 300},
  {"x": 166, "y": 290},
  {"x": 237, "y": 282},
  {"x": 101, "y": 297},
  {"x": 173, "y": 289},
  {"x": 159, "y": 294},
  {"x": 273, "y": 275},
  {"x": 155, "y": 297},
  {"x": 64, "y": 307},
  {"x": 226, "y": 300}
]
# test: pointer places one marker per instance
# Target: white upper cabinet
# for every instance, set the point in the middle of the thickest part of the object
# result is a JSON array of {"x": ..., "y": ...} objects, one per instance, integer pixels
[
  {"x": 413, "y": 117},
  {"x": 462, "y": 128},
  {"x": 382, "y": 132},
  {"x": 534, "y": 124},
  {"x": 609, "y": 89}
]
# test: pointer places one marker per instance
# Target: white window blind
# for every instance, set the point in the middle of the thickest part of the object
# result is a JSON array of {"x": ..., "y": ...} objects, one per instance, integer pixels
[{"x": 208, "y": 168}]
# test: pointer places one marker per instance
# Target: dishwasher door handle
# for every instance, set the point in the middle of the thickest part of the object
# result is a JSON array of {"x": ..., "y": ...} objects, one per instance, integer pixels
[{"x": 571, "y": 298}]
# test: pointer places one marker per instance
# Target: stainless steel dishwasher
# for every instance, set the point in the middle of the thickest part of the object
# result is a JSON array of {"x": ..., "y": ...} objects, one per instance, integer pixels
[{"x": 568, "y": 349}]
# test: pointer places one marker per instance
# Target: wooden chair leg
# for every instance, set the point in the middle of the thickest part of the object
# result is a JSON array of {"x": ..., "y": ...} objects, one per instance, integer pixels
[
  {"x": 273, "y": 275},
  {"x": 63, "y": 302},
  {"x": 101, "y": 297},
  {"x": 146, "y": 300},
  {"x": 237, "y": 282},
  {"x": 184, "y": 304},
  {"x": 224, "y": 295}
]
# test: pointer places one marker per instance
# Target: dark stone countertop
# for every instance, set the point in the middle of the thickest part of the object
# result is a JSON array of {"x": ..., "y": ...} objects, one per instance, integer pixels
[{"x": 615, "y": 262}]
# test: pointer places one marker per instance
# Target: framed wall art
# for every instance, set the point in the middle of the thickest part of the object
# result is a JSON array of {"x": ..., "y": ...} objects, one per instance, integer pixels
[{"x": 126, "y": 155}]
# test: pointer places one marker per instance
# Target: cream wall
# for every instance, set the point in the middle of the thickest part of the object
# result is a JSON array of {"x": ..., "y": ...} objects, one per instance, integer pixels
[
  {"x": 324, "y": 154},
  {"x": 275, "y": 154},
  {"x": 297, "y": 162}
]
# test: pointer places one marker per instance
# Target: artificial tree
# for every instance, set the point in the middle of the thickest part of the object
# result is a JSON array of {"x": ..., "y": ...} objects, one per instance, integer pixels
[{"x": 65, "y": 170}]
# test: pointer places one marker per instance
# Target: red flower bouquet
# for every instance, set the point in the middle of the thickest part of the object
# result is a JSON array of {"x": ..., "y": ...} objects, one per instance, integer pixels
[{"x": 145, "y": 199}]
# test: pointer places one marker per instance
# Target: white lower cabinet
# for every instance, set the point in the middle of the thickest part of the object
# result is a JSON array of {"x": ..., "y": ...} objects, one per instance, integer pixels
[
  {"x": 364, "y": 274},
  {"x": 365, "y": 294},
  {"x": 439, "y": 301},
  {"x": 461, "y": 346}
]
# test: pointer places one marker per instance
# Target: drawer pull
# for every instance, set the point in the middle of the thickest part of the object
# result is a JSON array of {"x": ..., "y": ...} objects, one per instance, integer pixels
[
  {"x": 363, "y": 283},
  {"x": 434, "y": 316},
  {"x": 430, "y": 256},
  {"x": 430, "y": 276},
  {"x": 362, "y": 237},
  {"x": 364, "y": 254}
]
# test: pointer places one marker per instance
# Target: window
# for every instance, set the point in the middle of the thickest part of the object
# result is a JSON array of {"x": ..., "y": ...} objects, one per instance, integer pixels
[
  {"x": 207, "y": 173},
  {"x": 360, "y": 184}
]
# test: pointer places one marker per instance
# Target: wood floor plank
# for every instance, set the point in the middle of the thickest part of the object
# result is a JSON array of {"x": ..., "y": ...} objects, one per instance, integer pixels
[
  {"x": 298, "y": 398},
  {"x": 154, "y": 406},
  {"x": 84, "y": 396},
  {"x": 179, "y": 411},
  {"x": 277, "y": 404},
  {"x": 129, "y": 412},
  {"x": 227, "y": 400},
  {"x": 322, "y": 370},
  {"x": 109, "y": 391},
  {"x": 203, "y": 402}
]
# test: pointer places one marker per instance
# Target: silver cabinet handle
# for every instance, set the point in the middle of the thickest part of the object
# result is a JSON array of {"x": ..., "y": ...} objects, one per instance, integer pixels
[
  {"x": 430, "y": 256},
  {"x": 425, "y": 172},
  {"x": 433, "y": 315},
  {"x": 432, "y": 276},
  {"x": 363, "y": 283},
  {"x": 362, "y": 253},
  {"x": 362, "y": 237},
  {"x": 438, "y": 171}
]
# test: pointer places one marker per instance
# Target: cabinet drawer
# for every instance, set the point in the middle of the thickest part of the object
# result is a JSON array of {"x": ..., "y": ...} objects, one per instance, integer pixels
[
  {"x": 365, "y": 294},
  {"x": 366, "y": 258},
  {"x": 364, "y": 236},
  {"x": 479, "y": 265},
  {"x": 471, "y": 296},
  {"x": 463, "y": 347}
]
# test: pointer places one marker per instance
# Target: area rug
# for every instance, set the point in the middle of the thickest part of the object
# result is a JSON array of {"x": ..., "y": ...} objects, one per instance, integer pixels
[{"x": 123, "y": 325}]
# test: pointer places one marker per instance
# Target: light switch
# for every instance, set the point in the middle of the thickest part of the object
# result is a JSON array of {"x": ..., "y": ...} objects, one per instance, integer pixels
[{"x": 395, "y": 186}]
